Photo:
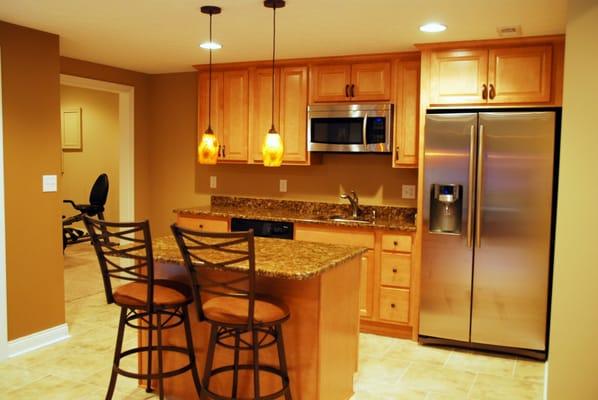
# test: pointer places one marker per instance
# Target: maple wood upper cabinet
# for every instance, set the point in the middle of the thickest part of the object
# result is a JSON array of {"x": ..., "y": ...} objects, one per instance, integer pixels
[
  {"x": 230, "y": 112},
  {"x": 406, "y": 116},
  {"x": 290, "y": 111},
  {"x": 350, "y": 82},
  {"x": 495, "y": 75}
]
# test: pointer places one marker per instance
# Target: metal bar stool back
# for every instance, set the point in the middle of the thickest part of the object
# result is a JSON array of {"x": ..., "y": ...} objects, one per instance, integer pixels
[
  {"x": 124, "y": 252},
  {"x": 240, "y": 319}
]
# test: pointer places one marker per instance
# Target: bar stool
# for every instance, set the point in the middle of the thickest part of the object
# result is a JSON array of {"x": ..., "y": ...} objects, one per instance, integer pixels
[
  {"x": 232, "y": 307},
  {"x": 124, "y": 252}
]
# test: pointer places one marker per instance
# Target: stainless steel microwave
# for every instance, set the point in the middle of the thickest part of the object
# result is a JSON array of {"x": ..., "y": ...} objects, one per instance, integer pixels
[{"x": 350, "y": 127}]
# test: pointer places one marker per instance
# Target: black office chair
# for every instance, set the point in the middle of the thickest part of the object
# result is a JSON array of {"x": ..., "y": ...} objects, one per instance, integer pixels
[{"x": 97, "y": 200}]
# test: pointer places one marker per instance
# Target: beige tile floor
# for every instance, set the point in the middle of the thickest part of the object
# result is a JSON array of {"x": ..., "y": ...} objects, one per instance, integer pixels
[{"x": 390, "y": 369}]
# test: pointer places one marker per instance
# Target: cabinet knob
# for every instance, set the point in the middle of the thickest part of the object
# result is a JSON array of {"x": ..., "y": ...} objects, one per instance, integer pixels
[
  {"x": 392, "y": 305},
  {"x": 395, "y": 243},
  {"x": 200, "y": 226},
  {"x": 394, "y": 270},
  {"x": 492, "y": 93},
  {"x": 484, "y": 91}
]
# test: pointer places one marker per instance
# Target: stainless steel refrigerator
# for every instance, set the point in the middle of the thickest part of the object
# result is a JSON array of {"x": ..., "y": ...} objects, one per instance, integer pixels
[{"x": 489, "y": 179}]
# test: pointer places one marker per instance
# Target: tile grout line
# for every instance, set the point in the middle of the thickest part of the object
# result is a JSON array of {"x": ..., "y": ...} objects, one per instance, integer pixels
[{"x": 475, "y": 378}]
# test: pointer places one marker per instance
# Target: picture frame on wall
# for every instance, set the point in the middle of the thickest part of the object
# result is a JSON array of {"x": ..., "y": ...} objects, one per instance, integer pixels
[{"x": 71, "y": 129}]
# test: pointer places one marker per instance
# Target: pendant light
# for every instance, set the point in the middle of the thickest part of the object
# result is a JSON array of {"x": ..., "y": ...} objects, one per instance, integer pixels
[
  {"x": 273, "y": 149},
  {"x": 207, "y": 148}
]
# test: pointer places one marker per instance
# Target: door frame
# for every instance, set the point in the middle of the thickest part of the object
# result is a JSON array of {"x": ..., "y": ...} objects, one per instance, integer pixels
[
  {"x": 3, "y": 294},
  {"x": 126, "y": 121}
]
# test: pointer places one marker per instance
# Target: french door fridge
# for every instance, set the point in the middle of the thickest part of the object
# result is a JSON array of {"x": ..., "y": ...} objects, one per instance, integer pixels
[{"x": 486, "y": 240}]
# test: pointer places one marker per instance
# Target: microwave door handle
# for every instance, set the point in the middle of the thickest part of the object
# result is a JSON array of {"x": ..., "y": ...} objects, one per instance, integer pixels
[{"x": 365, "y": 124}]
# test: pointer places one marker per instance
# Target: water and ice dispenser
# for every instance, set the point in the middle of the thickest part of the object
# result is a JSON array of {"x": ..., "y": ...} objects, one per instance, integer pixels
[{"x": 445, "y": 208}]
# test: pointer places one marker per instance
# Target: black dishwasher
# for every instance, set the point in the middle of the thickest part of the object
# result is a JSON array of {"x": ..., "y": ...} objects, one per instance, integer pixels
[{"x": 272, "y": 229}]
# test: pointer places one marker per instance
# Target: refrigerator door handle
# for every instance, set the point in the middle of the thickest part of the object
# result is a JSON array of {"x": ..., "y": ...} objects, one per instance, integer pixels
[
  {"x": 480, "y": 189},
  {"x": 470, "y": 186}
]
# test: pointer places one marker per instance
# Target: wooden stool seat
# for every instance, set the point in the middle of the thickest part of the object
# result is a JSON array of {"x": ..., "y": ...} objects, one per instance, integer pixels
[
  {"x": 148, "y": 304},
  {"x": 166, "y": 293},
  {"x": 240, "y": 319},
  {"x": 233, "y": 311}
]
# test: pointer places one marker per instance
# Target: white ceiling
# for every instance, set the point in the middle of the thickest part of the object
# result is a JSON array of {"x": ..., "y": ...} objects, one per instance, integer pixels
[{"x": 158, "y": 36}]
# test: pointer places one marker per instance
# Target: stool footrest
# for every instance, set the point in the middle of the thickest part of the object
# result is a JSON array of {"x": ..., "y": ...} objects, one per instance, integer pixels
[
  {"x": 165, "y": 374},
  {"x": 261, "y": 367}
]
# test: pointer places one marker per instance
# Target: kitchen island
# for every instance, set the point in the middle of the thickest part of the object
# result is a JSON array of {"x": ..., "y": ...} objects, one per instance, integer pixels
[{"x": 320, "y": 285}]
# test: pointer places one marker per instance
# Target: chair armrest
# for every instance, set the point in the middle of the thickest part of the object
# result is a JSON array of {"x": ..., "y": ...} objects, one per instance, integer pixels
[{"x": 71, "y": 202}]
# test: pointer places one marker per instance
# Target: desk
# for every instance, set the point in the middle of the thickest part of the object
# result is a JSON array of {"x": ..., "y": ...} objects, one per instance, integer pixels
[{"x": 320, "y": 285}]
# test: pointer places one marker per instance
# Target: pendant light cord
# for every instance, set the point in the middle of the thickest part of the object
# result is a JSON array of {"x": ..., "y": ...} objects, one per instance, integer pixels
[
  {"x": 210, "y": 83},
  {"x": 273, "y": 57}
]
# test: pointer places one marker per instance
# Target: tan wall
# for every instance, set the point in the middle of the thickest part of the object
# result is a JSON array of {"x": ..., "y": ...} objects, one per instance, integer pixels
[
  {"x": 573, "y": 358},
  {"x": 31, "y": 107},
  {"x": 140, "y": 82},
  {"x": 178, "y": 181},
  {"x": 100, "y": 148}
]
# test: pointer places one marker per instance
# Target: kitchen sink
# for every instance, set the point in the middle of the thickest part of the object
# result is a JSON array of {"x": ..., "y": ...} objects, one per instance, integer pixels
[{"x": 343, "y": 218}]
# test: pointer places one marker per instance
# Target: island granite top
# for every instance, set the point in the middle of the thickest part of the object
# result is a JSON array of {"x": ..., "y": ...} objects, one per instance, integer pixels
[{"x": 275, "y": 258}]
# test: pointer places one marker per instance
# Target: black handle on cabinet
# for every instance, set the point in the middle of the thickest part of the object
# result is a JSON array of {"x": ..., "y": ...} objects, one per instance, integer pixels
[
  {"x": 492, "y": 92},
  {"x": 352, "y": 90},
  {"x": 219, "y": 147},
  {"x": 223, "y": 148},
  {"x": 200, "y": 226},
  {"x": 395, "y": 243},
  {"x": 397, "y": 153},
  {"x": 392, "y": 305},
  {"x": 394, "y": 270},
  {"x": 347, "y": 90},
  {"x": 484, "y": 91}
]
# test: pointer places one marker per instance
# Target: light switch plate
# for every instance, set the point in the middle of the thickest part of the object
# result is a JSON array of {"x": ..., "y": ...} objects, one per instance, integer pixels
[
  {"x": 283, "y": 185},
  {"x": 213, "y": 182},
  {"x": 49, "y": 183},
  {"x": 408, "y": 191}
]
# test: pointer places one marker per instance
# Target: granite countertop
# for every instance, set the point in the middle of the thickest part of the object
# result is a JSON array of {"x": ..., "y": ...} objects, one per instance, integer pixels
[
  {"x": 393, "y": 218},
  {"x": 275, "y": 258}
]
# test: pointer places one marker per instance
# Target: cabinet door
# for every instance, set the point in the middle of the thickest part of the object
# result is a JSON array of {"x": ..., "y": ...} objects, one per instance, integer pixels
[
  {"x": 519, "y": 75},
  {"x": 235, "y": 112},
  {"x": 330, "y": 82},
  {"x": 293, "y": 113},
  {"x": 458, "y": 76},
  {"x": 261, "y": 108},
  {"x": 370, "y": 81},
  {"x": 366, "y": 284},
  {"x": 394, "y": 304},
  {"x": 202, "y": 104},
  {"x": 406, "y": 114},
  {"x": 203, "y": 224}
]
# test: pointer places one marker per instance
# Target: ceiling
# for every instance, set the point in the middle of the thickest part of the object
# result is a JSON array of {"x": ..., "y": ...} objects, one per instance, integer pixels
[{"x": 159, "y": 36}]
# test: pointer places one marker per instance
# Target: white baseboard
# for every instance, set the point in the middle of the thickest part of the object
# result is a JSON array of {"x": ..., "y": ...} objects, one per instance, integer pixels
[{"x": 38, "y": 340}]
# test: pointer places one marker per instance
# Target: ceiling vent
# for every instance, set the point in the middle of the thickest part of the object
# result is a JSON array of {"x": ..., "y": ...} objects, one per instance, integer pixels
[{"x": 509, "y": 31}]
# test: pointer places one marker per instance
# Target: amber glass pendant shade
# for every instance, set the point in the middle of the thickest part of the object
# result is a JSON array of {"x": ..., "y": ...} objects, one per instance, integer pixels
[
  {"x": 273, "y": 149},
  {"x": 207, "y": 148}
]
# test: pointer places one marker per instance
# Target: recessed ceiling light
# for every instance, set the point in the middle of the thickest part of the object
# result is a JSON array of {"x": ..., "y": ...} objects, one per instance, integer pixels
[
  {"x": 210, "y": 45},
  {"x": 432, "y": 27}
]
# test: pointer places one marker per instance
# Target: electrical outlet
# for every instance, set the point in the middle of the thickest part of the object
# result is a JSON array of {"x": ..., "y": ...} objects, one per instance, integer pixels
[
  {"x": 283, "y": 185},
  {"x": 212, "y": 182},
  {"x": 408, "y": 191}
]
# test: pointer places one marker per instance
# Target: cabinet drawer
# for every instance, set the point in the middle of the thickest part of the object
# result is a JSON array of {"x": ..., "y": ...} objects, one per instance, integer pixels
[
  {"x": 395, "y": 269},
  {"x": 396, "y": 243},
  {"x": 350, "y": 238},
  {"x": 394, "y": 304},
  {"x": 204, "y": 224}
]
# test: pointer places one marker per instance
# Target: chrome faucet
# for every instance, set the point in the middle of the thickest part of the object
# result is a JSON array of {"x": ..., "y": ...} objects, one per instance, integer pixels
[{"x": 354, "y": 200}]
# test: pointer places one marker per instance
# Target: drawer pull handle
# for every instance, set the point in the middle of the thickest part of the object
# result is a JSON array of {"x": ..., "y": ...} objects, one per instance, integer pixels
[
  {"x": 394, "y": 270},
  {"x": 200, "y": 226},
  {"x": 392, "y": 305}
]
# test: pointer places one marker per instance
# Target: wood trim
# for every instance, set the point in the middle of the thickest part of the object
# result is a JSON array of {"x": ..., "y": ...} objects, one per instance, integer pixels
[
  {"x": 355, "y": 58},
  {"x": 400, "y": 331},
  {"x": 519, "y": 41}
]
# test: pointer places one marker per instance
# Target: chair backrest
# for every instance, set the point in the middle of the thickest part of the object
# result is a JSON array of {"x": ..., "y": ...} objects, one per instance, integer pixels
[
  {"x": 99, "y": 192},
  {"x": 203, "y": 250},
  {"x": 124, "y": 251}
]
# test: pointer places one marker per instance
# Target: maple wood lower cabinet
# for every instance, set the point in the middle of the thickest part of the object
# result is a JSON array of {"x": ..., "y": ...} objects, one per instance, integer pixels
[{"x": 386, "y": 303}]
